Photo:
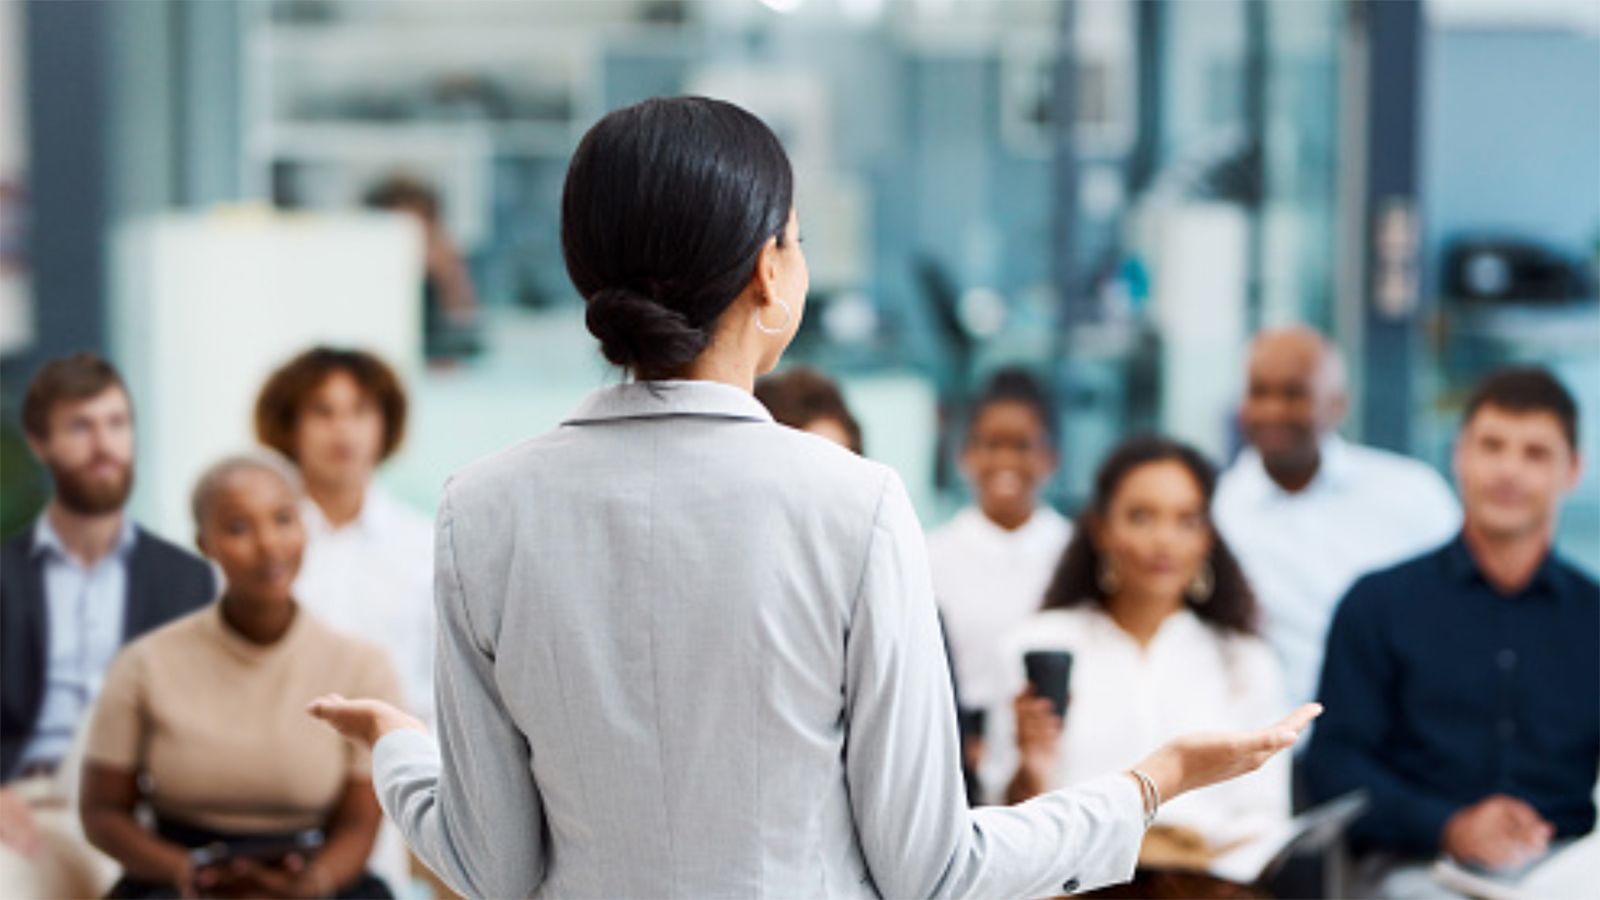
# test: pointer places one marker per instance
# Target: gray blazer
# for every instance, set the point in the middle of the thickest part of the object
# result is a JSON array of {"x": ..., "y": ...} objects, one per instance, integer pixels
[{"x": 687, "y": 652}]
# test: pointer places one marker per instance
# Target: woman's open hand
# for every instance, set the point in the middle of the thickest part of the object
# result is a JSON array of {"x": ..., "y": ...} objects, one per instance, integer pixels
[
  {"x": 1196, "y": 760},
  {"x": 362, "y": 721}
]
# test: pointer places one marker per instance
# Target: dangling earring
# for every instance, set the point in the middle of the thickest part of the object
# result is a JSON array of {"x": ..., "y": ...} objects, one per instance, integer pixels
[
  {"x": 762, "y": 327},
  {"x": 1205, "y": 581},
  {"x": 1107, "y": 578}
]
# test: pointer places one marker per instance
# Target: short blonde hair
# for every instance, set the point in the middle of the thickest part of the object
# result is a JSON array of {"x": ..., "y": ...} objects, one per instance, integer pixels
[{"x": 260, "y": 459}]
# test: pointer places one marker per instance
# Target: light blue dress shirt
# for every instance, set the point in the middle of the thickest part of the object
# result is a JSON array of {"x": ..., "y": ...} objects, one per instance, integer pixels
[{"x": 85, "y": 608}]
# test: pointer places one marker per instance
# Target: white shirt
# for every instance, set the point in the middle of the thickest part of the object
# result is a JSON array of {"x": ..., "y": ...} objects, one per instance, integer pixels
[
  {"x": 1125, "y": 701},
  {"x": 86, "y": 608},
  {"x": 1365, "y": 510},
  {"x": 374, "y": 578},
  {"x": 987, "y": 580}
]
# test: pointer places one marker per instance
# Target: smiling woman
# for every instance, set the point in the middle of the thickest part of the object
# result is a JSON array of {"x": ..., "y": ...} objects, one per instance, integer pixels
[{"x": 201, "y": 720}]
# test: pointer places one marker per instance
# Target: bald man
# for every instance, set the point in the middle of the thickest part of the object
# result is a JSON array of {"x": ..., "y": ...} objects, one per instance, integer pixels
[{"x": 1307, "y": 512}]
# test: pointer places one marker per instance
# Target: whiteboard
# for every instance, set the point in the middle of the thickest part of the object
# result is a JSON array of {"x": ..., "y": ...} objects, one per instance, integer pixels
[{"x": 205, "y": 305}]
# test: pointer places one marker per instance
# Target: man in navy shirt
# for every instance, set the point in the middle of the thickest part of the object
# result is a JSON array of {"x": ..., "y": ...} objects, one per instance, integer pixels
[{"x": 1463, "y": 687}]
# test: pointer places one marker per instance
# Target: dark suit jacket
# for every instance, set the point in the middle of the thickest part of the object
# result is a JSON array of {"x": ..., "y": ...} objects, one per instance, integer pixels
[{"x": 164, "y": 582}]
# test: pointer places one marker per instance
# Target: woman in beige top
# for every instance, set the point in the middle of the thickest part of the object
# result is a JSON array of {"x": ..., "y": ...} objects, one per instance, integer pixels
[{"x": 203, "y": 721}]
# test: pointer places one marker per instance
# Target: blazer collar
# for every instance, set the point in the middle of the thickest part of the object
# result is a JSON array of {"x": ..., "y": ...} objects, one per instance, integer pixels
[{"x": 658, "y": 399}]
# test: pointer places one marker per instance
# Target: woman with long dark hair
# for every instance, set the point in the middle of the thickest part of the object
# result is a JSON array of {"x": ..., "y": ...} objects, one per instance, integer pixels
[
  {"x": 1161, "y": 625},
  {"x": 685, "y": 651}
]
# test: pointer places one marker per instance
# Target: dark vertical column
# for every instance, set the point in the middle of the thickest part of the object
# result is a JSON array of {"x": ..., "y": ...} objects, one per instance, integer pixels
[
  {"x": 65, "y": 111},
  {"x": 1390, "y": 250},
  {"x": 1073, "y": 306},
  {"x": 1063, "y": 114},
  {"x": 1145, "y": 159},
  {"x": 67, "y": 175},
  {"x": 206, "y": 78},
  {"x": 1253, "y": 104}
]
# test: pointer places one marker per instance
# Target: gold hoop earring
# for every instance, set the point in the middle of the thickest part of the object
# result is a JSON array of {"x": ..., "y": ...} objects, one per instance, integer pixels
[
  {"x": 1203, "y": 585},
  {"x": 1107, "y": 578},
  {"x": 761, "y": 326}
]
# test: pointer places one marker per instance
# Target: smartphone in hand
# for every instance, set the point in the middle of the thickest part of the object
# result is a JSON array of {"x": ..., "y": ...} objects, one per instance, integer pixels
[
  {"x": 1050, "y": 672},
  {"x": 271, "y": 850}
]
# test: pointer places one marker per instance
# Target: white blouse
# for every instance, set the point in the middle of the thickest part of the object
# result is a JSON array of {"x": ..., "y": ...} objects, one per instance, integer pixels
[
  {"x": 374, "y": 578},
  {"x": 987, "y": 581},
  {"x": 1125, "y": 701}
]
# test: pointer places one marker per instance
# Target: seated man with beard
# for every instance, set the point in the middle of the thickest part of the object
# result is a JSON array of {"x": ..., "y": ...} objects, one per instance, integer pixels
[{"x": 74, "y": 588}]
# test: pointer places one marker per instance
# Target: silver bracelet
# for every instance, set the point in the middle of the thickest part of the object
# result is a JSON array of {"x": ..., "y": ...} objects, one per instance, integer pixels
[{"x": 1149, "y": 794}]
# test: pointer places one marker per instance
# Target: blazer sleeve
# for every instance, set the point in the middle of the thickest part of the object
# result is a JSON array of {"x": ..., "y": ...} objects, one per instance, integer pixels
[
  {"x": 902, "y": 763},
  {"x": 468, "y": 805},
  {"x": 22, "y": 662}
]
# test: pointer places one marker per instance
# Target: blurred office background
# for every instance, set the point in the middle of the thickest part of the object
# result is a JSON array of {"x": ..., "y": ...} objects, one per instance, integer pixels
[{"x": 1116, "y": 193}]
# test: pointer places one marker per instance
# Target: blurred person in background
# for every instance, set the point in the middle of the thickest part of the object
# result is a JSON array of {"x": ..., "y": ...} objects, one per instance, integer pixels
[
  {"x": 204, "y": 721},
  {"x": 1308, "y": 512},
  {"x": 1463, "y": 686},
  {"x": 449, "y": 301},
  {"x": 806, "y": 399},
  {"x": 74, "y": 588},
  {"x": 339, "y": 414},
  {"x": 1161, "y": 625},
  {"x": 992, "y": 561}
]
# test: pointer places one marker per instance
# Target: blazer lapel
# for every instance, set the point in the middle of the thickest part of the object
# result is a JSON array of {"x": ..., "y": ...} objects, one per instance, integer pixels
[
  {"x": 33, "y": 604},
  {"x": 24, "y": 636},
  {"x": 137, "y": 615}
]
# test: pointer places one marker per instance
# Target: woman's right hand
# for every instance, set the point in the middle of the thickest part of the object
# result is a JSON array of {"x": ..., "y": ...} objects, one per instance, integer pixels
[
  {"x": 1038, "y": 734},
  {"x": 1195, "y": 761},
  {"x": 362, "y": 721}
]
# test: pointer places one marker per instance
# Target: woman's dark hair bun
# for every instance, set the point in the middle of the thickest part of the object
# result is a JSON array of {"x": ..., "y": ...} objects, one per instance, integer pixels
[
  {"x": 667, "y": 206},
  {"x": 640, "y": 334}
]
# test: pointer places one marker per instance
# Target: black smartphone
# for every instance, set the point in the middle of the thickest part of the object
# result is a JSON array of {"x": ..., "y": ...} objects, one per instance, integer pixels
[
  {"x": 971, "y": 722},
  {"x": 267, "y": 850},
  {"x": 1050, "y": 671}
]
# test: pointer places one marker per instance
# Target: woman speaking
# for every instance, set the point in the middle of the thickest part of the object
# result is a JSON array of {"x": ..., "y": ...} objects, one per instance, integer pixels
[{"x": 687, "y": 652}]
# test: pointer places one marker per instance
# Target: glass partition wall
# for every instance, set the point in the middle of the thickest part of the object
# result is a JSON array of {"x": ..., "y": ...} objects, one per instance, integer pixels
[{"x": 1112, "y": 193}]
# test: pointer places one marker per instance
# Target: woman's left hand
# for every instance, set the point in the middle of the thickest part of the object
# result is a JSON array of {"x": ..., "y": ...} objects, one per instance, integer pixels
[{"x": 362, "y": 721}]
